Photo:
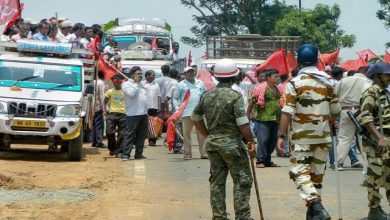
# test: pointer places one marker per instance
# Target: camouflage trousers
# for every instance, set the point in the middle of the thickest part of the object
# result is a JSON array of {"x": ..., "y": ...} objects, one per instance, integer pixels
[
  {"x": 229, "y": 155},
  {"x": 307, "y": 169},
  {"x": 378, "y": 175}
]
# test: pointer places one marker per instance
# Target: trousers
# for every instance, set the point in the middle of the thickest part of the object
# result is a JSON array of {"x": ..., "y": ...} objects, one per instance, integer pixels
[
  {"x": 115, "y": 120},
  {"x": 229, "y": 155},
  {"x": 307, "y": 169},
  {"x": 136, "y": 131},
  {"x": 187, "y": 129},
  {"x": 98, "y": 129}
]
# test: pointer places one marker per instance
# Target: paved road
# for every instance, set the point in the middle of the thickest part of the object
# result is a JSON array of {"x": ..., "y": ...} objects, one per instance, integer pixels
[{"x": 162, "y": 187}]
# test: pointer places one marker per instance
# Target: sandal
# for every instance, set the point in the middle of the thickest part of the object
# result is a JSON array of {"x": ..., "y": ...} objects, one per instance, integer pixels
[
  {"x": 260, "y": 165},
  {"x": 272, "y": 165}
]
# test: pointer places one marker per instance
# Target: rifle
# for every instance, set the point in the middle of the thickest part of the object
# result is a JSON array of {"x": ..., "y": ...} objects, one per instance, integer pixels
[{"x": 361, "y": 130}]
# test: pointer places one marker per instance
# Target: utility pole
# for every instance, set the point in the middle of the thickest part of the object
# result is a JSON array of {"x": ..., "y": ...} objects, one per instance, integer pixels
[{"x": 300, "y": 4}]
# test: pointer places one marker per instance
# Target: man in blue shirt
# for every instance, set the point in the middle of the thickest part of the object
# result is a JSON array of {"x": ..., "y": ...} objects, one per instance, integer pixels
[
  {"x": 197, "y": 88},
  {"x": 43, "y": 29}
]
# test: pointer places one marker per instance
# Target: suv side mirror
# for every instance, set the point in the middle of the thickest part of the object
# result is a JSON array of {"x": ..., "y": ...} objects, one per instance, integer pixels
[{"x": 89, "y": 89}]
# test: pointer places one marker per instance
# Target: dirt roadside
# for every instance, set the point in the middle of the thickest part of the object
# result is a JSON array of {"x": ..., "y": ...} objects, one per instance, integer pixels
[{"x": 46, "y": 185}]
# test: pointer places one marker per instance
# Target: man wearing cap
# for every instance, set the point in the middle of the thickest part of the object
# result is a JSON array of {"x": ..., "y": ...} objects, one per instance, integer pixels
[
  {"x": 223, "y": 109},
  {"x": 136, "y": 104},
  {"x": 375, "y": 116},
  {"x": 311, "y": 106},
  {"x": 196, "y": 88},
  {"x": 65, "y": 28}
]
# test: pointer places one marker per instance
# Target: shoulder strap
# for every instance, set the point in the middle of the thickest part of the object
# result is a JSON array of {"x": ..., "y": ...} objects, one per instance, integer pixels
[{"x": 380, "y": 111}]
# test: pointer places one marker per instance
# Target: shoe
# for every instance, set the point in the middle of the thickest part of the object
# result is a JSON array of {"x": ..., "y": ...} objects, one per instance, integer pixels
[
  {"x": 125, "y": 158},
  {"x": 341, "y": 168},
  {"x": 357, "y": 165},
  {"x": 101, "y": 146},
  {"x": 187, "y": 157},
  {"x": 142, "y": 157},
  {"x": 204, "y": 157},
  {"x": 377, "y": 214},
  {"x": 332, "y": 166},
  {"x": 260, "y": 165},
  {"x": 317, "y": 211}
]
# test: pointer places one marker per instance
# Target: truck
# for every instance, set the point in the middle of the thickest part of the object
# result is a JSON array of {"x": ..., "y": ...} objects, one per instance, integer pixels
[
  {"x": 45, "y": 97},
  {"x": 247, "y": 50},
  {"x": 135, "y": 37}
]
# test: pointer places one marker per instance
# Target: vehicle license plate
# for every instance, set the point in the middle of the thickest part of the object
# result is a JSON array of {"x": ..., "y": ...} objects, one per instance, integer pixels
[{"x": 29, "y": 123}]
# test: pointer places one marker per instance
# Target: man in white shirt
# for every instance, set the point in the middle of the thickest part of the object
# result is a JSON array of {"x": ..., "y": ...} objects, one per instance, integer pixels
[
  {"x": 136, "y": 115},
  {"x": 64, "y": 29},
  {"x": 75, "y": 37},
  {"x": 165, "y": 83},
  {"x": 153, "y": 95}
]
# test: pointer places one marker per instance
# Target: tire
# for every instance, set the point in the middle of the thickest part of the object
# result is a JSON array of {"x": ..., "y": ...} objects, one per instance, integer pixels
[
  {"x": 75, "y": 147},
  {"x": 64, "y": 146},
  {"x": 87, "y": 135}
]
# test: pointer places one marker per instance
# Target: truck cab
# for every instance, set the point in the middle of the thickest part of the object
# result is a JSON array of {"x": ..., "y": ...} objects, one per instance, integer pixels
[{"x": 42, "y": 97}]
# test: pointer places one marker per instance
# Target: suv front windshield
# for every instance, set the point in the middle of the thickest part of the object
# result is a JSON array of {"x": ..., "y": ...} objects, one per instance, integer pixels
[{"x": 40, "y": 76}]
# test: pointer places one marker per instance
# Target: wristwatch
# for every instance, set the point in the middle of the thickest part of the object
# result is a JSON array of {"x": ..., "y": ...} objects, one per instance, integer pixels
[{"x": 282, "y": 136}]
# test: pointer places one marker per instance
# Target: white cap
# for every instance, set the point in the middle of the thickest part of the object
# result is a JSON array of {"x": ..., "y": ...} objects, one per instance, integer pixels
[
  {"x": 225, "y": 68},
  {"x": 66, "y": 23},
  {"x": 188, "y": 68},
  {"x": 62, "y": 19},
  {"x": 30, "y": 21}
]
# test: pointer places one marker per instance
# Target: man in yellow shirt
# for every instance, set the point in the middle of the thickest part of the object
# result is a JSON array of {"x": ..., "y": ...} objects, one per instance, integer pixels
[{"x": 116, "y": 115}]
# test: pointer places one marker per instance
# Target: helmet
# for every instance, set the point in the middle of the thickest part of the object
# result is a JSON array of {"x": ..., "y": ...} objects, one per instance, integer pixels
[
  {"x": 378, "y": 68},
  {"x": 307, "y": 54},
  {"x": 225, "y": 68}
]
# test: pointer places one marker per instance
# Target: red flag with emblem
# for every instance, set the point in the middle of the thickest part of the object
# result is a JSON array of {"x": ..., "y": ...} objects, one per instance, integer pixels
[
  {"x": 108, "y": 70},
  {"x": 277, "y": 61},
  {"x": 366, "y": 55},
  {"x": 353, "y": 64},
  {"x": 386, "y": 58},
  {"x": 329, "y": 58},
  {"x": 10, "y": 11},
  {"x": 292, "y": 63}
]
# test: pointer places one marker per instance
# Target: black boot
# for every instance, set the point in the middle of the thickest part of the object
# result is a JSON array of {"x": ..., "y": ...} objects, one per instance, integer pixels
[
  {"x": 318, "y": 211},
  {"x": 377, "y": 214}
]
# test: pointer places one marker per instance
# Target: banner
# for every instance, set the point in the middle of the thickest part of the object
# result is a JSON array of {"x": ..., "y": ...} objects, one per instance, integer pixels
[
  {"x": 108, "y": 70},
  {"x": 366, "y": 55},
  {"x": 353, "y": 64},
  {"x": 330, "y": 58},
  {"x": 277, "y": 61}
]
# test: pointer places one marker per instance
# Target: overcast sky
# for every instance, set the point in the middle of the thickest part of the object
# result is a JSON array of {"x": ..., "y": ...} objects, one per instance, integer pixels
[{"x": 358, "y": 17}]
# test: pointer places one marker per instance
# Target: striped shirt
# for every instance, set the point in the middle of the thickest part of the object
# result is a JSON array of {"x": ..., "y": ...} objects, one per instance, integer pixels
[{"x": 311, "y": 100}]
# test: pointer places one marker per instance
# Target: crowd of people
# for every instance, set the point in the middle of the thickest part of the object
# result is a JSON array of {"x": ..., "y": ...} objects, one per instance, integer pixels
[{"x": 294, "y": 114}]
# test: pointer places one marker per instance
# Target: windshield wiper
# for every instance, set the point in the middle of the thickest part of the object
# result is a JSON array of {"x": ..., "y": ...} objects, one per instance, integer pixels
[
  {"x": 24, "y": 79},
  {"x": 60, "y": 85}
]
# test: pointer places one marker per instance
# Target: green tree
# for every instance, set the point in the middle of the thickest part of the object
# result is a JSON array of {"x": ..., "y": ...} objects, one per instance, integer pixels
[
  {"x": 384, "y": 14},
  {"x": 318, "y": 26},
  {"x": 232, "y": 17}
]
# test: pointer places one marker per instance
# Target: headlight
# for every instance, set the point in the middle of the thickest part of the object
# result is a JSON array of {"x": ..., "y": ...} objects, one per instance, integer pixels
[
  {"x": 3, "y": 108},
  {"x": 68, "y": 111}
]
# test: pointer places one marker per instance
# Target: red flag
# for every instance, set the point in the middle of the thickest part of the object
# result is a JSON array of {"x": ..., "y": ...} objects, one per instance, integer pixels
[
  {"x": 154, "y": 44},
  {"x": 353, "y": 64},
  {"x": 10, "y": 11},
  {"x": 189, "y": 60},
  {"x": 329, "y": 58},
  {"x": 205, "y": 76},
  {"x": 366, "y": 55},
  {"x": 108, "y": 70},
  {"x": 386, "y": 58},
  {"x": 171, "y": 128},
  {"x": 292, "y": 63},
  {"x": 277, "y": 61},
  {"x": 320, "y": 65}
]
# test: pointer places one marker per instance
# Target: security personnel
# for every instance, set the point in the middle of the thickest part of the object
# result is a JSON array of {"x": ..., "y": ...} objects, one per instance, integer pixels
[
  {"x": 375, "y": 116},
  {"x": 312, "y": 105},
  {"x": 227, "y": 124}
]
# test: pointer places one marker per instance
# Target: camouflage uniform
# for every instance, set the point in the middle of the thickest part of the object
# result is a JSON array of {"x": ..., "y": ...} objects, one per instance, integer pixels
[
  {"x": 378, "y": 164},
  {"x": 224, "y": 111},
  {"x": 310, "y": 102}
]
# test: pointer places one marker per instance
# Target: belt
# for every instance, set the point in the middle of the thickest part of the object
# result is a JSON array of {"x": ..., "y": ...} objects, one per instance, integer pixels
[{"x": 350, "y": 107}]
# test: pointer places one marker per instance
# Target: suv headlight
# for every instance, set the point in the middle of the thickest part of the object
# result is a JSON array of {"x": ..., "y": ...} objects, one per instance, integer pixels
[
  {"x": 68, "y": 111},
  {"x": 3, "y": 108}
]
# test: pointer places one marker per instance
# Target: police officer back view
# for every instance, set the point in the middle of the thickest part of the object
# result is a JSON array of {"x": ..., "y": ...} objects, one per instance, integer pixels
[
  {"x": 311, "y": 104},
  {"x": 227, "y": 122}
]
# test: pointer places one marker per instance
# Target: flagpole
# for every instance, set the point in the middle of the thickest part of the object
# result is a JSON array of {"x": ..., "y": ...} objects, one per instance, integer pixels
[{"x": 377, "y": 55}]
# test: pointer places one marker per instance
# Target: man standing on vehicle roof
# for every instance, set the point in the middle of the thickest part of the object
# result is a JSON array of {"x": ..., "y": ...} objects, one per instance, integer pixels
[
  {"x": 223, "y": 109},
  {"x": 312, "y": 105}
]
